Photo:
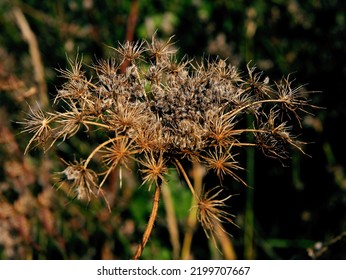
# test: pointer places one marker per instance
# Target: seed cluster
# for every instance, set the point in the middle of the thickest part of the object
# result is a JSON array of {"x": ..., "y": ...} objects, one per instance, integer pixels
[{"x": 157, "y": 110}]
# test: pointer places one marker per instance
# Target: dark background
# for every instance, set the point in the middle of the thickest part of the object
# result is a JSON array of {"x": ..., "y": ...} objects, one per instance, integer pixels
[{"x": 298, "y": 209}]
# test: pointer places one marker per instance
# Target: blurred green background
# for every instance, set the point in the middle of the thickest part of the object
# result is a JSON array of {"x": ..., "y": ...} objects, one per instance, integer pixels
[{"x": 292, "y": 212}]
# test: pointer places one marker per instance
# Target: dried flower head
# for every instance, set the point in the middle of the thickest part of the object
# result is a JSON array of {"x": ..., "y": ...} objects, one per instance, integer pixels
[
  {"x": 120, "y": 152},
  {"x": 84, "y": 181},
  {"x": 150, "y": 108},
  {"x": 160, "y": 50},
  {"x": 38, "y": 124},
  {"x": 211, "y": 212},
  {"x": 154, "y": 169},
  {"x": 130, "y": 51},
  {"x": 223, "y": 163}
]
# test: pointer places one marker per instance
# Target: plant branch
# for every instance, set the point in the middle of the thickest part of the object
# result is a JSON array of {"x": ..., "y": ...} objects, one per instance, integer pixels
[
  {"x": 172, "y": 223},
  {"x": 187, "y": 180},
  {"x": 198, "y": 174},
  {"x": 151, "y": 222},
  {"x": 35, "y": 55},
  {"x": 319, "y": 249},
  {"x": 131, "y": 26},
  {"x": 97, "y": 149}
]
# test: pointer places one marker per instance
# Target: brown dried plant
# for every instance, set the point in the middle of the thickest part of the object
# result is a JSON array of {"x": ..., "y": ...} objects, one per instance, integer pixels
[{"x": 161, "y": 111}]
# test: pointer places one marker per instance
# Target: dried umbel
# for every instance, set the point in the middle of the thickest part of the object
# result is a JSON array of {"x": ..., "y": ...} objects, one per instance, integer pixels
[{"x": 160, "y": 111}]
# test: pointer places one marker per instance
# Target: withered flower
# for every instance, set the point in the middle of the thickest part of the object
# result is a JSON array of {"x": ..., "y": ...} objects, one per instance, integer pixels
[
  {"x": 120, "y": 152},
  {"x": 38, "y": 124},
  {"x": 84, "y": 182},
  {"x": 222, "y": 162},
  {"x": 150, "y": 108},
  {"x": 154, "y": 169},
  {"x": 211, "y": 212},
  {"x": 159, "y": 50},
  {"x": 130, "y": 51}
]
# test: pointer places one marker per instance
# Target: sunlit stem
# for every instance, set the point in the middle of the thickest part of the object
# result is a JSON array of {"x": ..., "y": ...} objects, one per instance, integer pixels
[
  {"x": 97, "y": 124},
  {"x": 150, "y": 224},
  {"x": 253, "y": 104},
  {"x": 187, "y": 180},
  {"x": 198, "y": 174},
  {"x": 99, "y": 147}
]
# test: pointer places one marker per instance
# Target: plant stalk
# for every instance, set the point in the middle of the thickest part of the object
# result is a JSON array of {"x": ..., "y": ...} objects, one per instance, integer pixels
[{"x": 151, "y": 222}]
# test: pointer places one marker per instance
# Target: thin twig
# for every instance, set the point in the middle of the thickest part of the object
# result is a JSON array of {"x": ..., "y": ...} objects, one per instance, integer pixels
[
  {"x": 226, "y": 243},
  {"x": 187, "y": 180},
  {"x": 150, "y": 224},
  {"x": 131, "y": 26},
  {"x": 132, "y": 20},
  {"x": 320, "y": 248},
  {"x": 172, "y": 223},
  {"x": 35, "y": 55},
  {"x": 198, "y": 174}
]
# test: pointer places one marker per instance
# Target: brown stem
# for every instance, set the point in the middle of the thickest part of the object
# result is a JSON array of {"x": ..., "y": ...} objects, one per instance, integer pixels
[
  {"x": 132, "y": 20},
  {"x": 150, "y": 225},
  {"x": 226, "y": 243},
  {"x": 187, "y": 180},
  {"x": 172, "y": 223},
  {"x": 191, "y": 223},
  {"x": 131, "y": 26},
  {"x": 30, "y": 37}
]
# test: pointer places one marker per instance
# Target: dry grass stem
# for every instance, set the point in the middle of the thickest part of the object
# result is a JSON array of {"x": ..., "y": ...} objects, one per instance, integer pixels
[
  {"x": 150, "y": 224},
  {"x": 36, "y": 60}
]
